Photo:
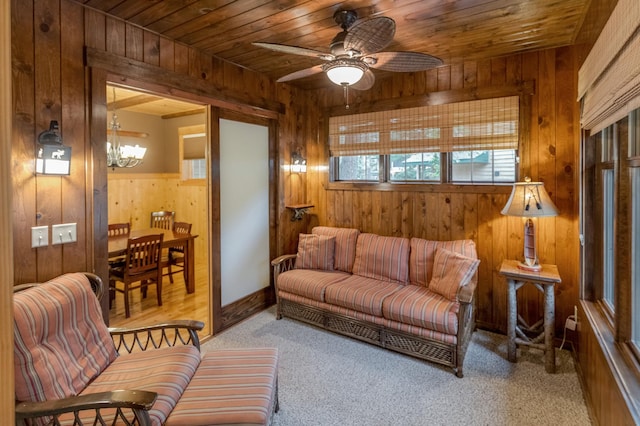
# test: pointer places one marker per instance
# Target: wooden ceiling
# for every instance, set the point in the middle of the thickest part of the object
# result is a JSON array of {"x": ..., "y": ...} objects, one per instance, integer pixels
[{"x": 453, "y": 30}]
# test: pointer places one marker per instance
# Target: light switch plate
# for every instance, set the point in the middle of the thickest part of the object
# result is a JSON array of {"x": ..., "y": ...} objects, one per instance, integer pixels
[
  {"x": 63, "y": 233},
  {"x": 39, "y": 236}
]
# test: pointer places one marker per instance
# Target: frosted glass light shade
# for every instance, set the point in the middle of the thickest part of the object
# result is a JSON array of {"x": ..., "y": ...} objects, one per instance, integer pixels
[{"x": 345, "y": 71}]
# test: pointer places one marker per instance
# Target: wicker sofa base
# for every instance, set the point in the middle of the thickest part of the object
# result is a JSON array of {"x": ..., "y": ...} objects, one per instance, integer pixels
[{"x": 450, "y": 355}]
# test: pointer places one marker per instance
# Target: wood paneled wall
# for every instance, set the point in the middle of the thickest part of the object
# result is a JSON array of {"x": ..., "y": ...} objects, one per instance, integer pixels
[
  {"x": 7, "y": 398},
  {"x": 550, "y": 155},
  {"x": 132, "y": 198},
  {"x": 51, "y": 82}
]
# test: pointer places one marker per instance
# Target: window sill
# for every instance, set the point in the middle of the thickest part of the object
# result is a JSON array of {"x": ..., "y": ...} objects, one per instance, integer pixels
[
  {"x": 624, "y": 366},
  {"x": 420, "y": 187}
]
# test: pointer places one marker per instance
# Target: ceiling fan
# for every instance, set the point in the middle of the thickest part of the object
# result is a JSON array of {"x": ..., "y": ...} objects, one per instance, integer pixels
[{"x": 355, "y": 50}]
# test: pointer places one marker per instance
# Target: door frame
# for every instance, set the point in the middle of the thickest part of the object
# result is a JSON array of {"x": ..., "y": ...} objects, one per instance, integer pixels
[{"x": 221, "y": 317}]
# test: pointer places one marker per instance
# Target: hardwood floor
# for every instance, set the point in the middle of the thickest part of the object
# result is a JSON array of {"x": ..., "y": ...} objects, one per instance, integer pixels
[{"x": 176, "y": 303}]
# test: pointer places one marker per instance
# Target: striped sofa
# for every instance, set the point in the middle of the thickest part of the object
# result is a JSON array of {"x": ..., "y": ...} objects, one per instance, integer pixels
[
  {"x": 413, "y": 296},
  {"x": 71, "y": 369}
]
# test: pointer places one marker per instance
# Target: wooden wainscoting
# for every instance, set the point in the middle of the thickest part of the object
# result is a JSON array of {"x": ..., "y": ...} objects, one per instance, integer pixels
[{"x": 176, "y": 303}]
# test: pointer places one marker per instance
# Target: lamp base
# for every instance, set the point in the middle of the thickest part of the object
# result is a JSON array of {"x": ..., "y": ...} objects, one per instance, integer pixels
[{"x": 532, "y": 268}]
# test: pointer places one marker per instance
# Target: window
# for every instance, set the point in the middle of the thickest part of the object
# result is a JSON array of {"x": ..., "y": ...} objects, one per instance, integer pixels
[
  {"x": 634, "y": 187},
  {"x": 635, "y": 255},
  {"x": 612, "y": 251},
  {"x": 474, "y": 142},
  {"x": 193, "y": 144},
  {"x": 608, "y": 245}
]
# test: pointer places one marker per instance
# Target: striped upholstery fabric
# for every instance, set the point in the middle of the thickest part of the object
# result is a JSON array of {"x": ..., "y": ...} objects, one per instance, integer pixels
[
  {"x": 166, "y": 371},
  {"x": 361, "y": 294},
  {"x": 418, "y": 306},
  {"x": 315, "y": 252},
  {"x": 308, "y": 282},
  {"x": 61, "y": 341},
  {"x": 450, "y": 272},
  {"x": 382, "y": 258},
  {"x": 334, "y": 308},
  {"x": 345, "y": 245},
  {"x": 423, "y": 254},
  {"x": 231, "y": 386}
]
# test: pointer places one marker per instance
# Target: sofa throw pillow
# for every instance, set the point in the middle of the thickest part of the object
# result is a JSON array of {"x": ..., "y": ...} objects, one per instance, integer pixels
[
  {"x": 450, "y": 272},
  {"x": 345, "y": 249},
  {"x": 315, "y": 252}
]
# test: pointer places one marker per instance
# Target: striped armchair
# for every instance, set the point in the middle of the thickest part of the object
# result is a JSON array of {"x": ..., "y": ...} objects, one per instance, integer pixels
[{"x": 71, "y": 369}]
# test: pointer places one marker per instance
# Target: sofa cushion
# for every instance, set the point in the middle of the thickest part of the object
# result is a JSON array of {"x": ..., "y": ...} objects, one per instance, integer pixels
[
  {"x": 345, "y": 245},
  {"x": 423, "y": 253},
  {"x": 61, "y": 340},
  {"x": 309, "y": 283},
  {"x": 315, "y": 252},
  {"x": 166, "y": 371},
  {"x": 418, "y": 306},
  {"x": 361, "y": 294},
  {"x": 382, "y": 258},
  {"x": 231, "y": 386},
  {"x": 450, "y": 272}
]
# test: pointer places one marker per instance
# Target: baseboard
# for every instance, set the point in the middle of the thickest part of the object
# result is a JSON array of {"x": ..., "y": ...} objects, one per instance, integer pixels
[{"x": 242, "y": 309}]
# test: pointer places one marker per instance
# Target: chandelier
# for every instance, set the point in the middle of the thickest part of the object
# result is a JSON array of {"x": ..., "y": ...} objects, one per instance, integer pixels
[{"x": 119, "y": 155}]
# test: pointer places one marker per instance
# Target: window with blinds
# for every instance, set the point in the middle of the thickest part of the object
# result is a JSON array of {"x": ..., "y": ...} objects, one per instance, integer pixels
[{"x": 478, "y": 140}]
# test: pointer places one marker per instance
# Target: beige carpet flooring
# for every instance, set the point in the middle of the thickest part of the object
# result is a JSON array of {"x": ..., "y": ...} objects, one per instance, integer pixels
[{"x": 326, "y": 380}]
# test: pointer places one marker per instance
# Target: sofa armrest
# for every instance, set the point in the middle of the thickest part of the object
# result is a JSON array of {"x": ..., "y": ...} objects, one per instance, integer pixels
[
  {"x": 284, "y": 262},
  {"x": 156, "y": 336},
  {"x": 138, "y": 401},
  {"x": 465, "y": 293}
]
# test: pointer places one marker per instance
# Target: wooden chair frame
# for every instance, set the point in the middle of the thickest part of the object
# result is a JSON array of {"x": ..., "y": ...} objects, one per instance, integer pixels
[
  {"x": 175, "y": 255},
  {"x": 162, "y": 219},
  {"x": 132, "y": 405},
  {"x": 143, "y": 263}
]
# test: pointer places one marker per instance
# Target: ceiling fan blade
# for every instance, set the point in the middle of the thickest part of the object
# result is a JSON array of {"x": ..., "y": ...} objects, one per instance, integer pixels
[
  {"x": 366, "y": 82},
  {"x": 301, "y": 74},
  {"x": 294, "y": 50},
  {"x": 402, "y": 61},
  {"x": 370, "y": 35}
]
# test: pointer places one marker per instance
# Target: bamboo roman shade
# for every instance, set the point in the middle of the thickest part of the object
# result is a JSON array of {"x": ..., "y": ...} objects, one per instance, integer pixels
[
  {"x": 609, "y": 79},
  {"x": 486, "y": 124}
]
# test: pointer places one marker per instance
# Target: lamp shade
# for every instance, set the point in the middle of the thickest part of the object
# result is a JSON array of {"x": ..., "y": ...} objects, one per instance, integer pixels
[
  {"x": 345, "y": 71},
  {"x": 529, "y": 199}
]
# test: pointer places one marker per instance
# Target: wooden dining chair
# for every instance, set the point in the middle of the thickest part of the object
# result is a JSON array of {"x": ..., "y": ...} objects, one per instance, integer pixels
[
  {"x": 143, "y": 264},
  {"x": 175, "y": 255},
  {"x": 118, "y": 229},
  {"x": 162, "y": 219}
]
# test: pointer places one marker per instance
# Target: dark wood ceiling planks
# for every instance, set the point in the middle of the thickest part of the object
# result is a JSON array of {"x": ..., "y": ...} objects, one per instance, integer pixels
[{"x": 453, "y": 30}]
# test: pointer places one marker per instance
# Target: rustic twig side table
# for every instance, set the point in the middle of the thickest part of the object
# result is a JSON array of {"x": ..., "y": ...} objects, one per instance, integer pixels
[{"x": 519, "y": 332}]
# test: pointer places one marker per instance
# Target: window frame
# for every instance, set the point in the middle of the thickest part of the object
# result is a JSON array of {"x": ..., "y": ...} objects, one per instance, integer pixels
[
  {"x": 524, "y": 90},
  {"x": 621, "y": 159}
]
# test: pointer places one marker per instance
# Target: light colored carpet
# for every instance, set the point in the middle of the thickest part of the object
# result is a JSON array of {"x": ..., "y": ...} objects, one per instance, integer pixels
[{"x": 328, "y": 379}]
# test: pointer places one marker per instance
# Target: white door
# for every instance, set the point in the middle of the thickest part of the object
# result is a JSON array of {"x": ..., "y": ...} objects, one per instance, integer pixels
[{"x": 244, "y": 209}]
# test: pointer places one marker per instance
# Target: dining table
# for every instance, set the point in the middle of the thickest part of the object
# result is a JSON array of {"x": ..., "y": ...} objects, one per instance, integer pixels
[{"x": 118, "y": 247}]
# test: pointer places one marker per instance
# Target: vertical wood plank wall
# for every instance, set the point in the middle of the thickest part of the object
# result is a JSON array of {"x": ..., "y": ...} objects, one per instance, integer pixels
[
  {"x": 51, "y": 83},
  {"x": 159, "y": 192},
  {"x": 7, "y": 399},
  {"x": 550, "y": 156}
]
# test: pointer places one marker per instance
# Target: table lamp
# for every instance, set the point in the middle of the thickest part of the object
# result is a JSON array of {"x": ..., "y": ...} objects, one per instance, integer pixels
[{"x": 529, "y": 199}]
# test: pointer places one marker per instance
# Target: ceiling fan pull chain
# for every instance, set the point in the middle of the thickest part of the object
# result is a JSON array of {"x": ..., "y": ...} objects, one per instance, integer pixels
[{"x": 346, "y": 95}]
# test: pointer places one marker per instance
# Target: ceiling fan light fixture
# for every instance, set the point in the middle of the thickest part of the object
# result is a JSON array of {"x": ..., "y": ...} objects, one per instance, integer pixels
[{"x": 345, "y": 71}]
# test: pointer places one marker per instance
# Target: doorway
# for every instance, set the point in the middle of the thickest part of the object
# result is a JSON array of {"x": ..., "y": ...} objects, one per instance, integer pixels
[{"x": 171, "y": 177}]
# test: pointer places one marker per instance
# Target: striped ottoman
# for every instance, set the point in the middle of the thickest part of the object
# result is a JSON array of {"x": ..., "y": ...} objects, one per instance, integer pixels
[{"x": 231, "y": 386}]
